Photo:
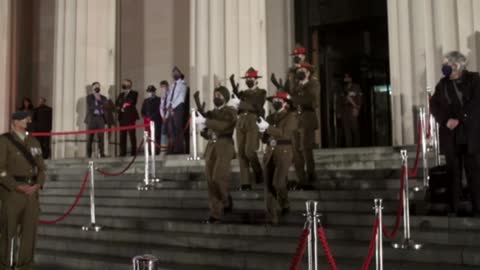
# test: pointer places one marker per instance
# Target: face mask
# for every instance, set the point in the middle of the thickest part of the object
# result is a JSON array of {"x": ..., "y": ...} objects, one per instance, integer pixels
[
  {"x": 218, "y": 102},
  {"x": 96, "y": 89},
  {"x": 125, "y": 87},
  {"x": 301, "y": 76},
  {"x": 297, "y": 59},
  {"x": 176, "y": 77},
  {"x": 447, "y": 70},
  {"x": 277, "y": 105},
  {"x": 150, "y": 94},
  {"x": 250, "y": 84}
]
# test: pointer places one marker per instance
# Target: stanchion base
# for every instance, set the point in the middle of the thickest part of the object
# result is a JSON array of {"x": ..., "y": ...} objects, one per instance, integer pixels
[
  {"x": 407, "y": 244},
  {"x": 193, "y": 158},
  {"x": 92, "y": 228},
  {"x": 145, "y": 187}
]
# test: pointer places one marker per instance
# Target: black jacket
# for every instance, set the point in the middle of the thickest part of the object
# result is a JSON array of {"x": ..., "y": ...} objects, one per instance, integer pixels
[
  {"x": 92, "y": 106},
  {"x": 151, "y": 108},
  {"x": 446, "y": 105},
  {"x": 130, "y": 114},
  {"x": 42, "y": 118}
]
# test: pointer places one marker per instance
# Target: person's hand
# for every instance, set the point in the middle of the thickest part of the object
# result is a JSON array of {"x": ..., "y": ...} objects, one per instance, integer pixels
[
  {"x": 22, "y": 189},
  {"x": 234, "y": 102},
  {"x": 262, "y": 125},
  {"x": 33, "y": 189},
  {"x": 452, "y": 124}
]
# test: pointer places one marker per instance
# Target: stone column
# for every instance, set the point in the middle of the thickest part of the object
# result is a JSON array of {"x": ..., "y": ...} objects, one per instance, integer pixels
[
  {"x": 84, "y": 53},
  {"x": 5, "y": 39},
  {"x": 420, "y": 32},
  {"x": 226, "y": 37}
]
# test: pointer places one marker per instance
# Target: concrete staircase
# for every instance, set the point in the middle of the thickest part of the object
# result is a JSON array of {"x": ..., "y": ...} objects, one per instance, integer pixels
[{"x": 167, "y": 222}]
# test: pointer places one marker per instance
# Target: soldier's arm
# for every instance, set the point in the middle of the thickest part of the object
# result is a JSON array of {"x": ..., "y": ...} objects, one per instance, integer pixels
[
  {"x": 286, "y": 130},
  {"x": 225, "y": 124},
  {"x": 6, "y": 179}
]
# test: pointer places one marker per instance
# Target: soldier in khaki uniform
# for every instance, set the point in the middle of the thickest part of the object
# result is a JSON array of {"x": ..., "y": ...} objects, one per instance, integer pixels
[
  {"x": 22, "y": 175},
  {"x": 278, "y": 132},
  {"x": 305, "y": 102},
  {"x": 299, "y": 55},
  {"x": 250, "y": 108},
  {"x": 220, "y": 124}
]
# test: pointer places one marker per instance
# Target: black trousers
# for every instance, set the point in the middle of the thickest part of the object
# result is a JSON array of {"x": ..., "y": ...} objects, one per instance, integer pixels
[
  {"x": 175, "y": 126},
  {"x": 45, "y": 144},
  {"x": 123, "y": 141},
  {"x": 457, "y": 161},
  {"x": 96, "y": 122}
]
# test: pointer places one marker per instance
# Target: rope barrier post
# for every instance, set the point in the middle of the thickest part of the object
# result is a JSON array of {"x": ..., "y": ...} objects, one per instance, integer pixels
[
  {"x": 423, "y": 141},
  {"x": 92, "y": 226},
  {"x": 153, "y": 168},
  {"x": 13, "y": 252},
  {"x": 436, "y": 144},
  {"x": 146, "y": 184},
  {"x": 194, "y": 151},
  {"x": 407, "y": 242},
  {"x": 379, "y": 238},
  {"x": 310, "y": 214},
  {"x": 315, "y": 234}
]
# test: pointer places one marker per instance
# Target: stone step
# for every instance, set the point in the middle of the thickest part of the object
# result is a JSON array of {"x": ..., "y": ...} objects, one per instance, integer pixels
[
  {"x": 250, "y": 251},
  {"x": 243, "y": 205},
  {"x": 324, "y": 184}
]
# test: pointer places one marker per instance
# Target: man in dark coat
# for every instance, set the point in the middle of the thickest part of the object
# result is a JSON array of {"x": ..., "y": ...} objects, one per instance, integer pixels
[
  {"x": 95, "y": 118},
  {"x": 456, "y": 107},
  {"x": 151, "y": 112},
  {"x": 127, "y": 116},
  {"x": 42, "y": 121}
]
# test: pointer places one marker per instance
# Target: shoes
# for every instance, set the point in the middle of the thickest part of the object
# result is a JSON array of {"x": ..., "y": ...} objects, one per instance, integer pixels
[
  {"x": 211, "y": 220},
  {"x": 229, "y": 208},
  {"x": 292, "y": 185},
  {"x": 285, "y": 211},
  {"x": 307, "y": 187},
  {"x": 102, "y": 156},
  {"x": 245, "y": 188}
]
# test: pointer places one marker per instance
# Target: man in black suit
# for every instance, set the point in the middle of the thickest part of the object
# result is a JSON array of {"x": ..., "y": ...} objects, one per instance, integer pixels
[
  {"x": 127, "y": 115},
  {"x": 151, "y": 111},
  {"x": 42, "y": 122},
  {"x": 95, "y": 118}
]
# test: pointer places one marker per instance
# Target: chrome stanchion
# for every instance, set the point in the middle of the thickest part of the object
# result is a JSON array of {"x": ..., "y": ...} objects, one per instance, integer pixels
[
  {"x": 379, "y": 238},
  {"x": 194, "y": 150},
  {"x": 13, "y": 252},
  {"x": 437, "y": 144},
  {"x": 147, "y": 184},
  {"x": 312, "y": 223},
  {"x": 406, "y": 242},
  {"x": 153, "y": 168},
  {"x": 423, "y": 141},
  {"x": 92, "y": 226},
  {"x": 145, "y": 262}
]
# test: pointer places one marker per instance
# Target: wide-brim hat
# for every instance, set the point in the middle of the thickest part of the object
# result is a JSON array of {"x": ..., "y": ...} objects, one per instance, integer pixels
[
  {"x": 299, "y": 50},
  {"x": 20, "y": 115},
  {"x": 251, "y": 74},
  {"x": 282, "y": 95}
]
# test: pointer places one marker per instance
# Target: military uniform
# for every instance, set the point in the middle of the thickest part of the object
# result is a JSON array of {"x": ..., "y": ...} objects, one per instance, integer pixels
[
  {"x": 248, "y": 137},
  {"x": 277, "y": 161},
  {"x": 19, "y": 209},
  {"x": 219, "y": 152},
  {"x": 305, "y": 102}
]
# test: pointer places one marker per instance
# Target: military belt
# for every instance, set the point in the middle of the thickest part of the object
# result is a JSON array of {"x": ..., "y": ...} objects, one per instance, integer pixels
[
  {"x": 214, "y": 137},
  {"x": 274, "y": 143},
  {"x": 26, "y": 179}
]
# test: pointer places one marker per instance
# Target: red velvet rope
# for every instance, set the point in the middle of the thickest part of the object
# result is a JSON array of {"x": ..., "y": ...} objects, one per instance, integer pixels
[
  {"x": 75, "y": 203},
  {"x": 326, "y": 248},
  {"x": 105, "y": 173},
  {"x": 371, "y": 248},
  {"x": 398, "y": 219},
  {"x": 297, "y": 259},
  {"x": 92, "y": 131}
]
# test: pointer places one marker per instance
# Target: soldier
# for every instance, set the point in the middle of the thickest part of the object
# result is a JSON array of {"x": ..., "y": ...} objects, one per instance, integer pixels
[
  {"x": 350, "y": 105},
  {"x": 151, "y": 112},
  {"x": 299, "y": 55},
  {"x": 22, "y": 175},
  {"x": 220, "y": 124},
  {"x": 305, "y": 102},
  {"x": 250, "y": 108},
  {"x": 278, "y": 132}
]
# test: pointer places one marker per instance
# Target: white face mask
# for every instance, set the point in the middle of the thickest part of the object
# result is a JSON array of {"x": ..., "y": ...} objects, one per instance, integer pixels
[{"x": 150, "y": 94}]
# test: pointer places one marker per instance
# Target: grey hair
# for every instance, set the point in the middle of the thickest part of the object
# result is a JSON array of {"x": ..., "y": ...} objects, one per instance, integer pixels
[{"x": 456, "y": 57}]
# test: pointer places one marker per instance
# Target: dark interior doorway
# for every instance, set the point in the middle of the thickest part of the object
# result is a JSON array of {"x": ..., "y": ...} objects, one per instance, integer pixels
[{"x": 349, "y": 36}]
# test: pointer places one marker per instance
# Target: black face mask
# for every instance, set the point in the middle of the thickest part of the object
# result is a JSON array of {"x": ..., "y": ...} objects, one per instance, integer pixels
[
  {"x": 250, "y": 84},
  {"x": 297, "y": 59},
  {"x": 301, "y": 76},
  {"x": 176, "y": 77},
  {"x": 277, "y": 105},
  {"x": 218, "y": 102},
  {"x": 96, "y": 89},
  {"x": 125, "y": 87},
  {"x": 447, "y": 70}
]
